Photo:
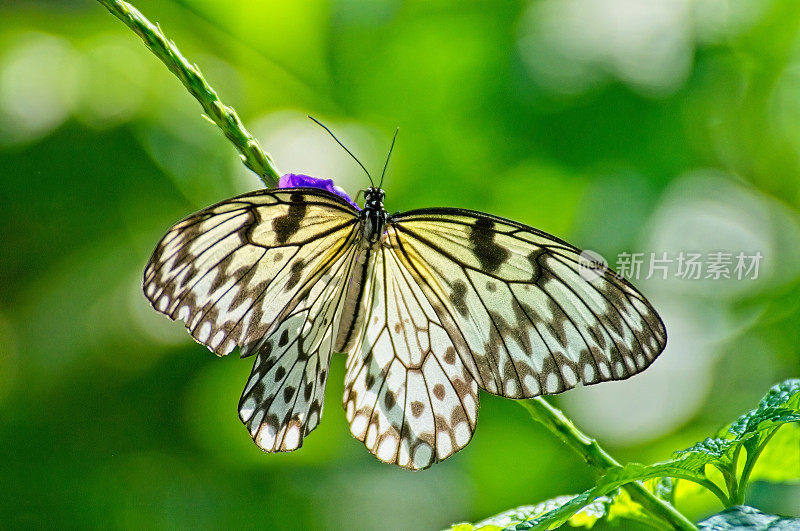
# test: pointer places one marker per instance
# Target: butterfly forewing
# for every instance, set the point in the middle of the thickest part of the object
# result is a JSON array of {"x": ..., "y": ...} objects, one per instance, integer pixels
[
  {"x": 231, "y": 271},
  {"x": 521, "y": 315}
]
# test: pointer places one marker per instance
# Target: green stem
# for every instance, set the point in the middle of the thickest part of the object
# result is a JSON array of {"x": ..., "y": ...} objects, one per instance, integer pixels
[
  {"x": 558, "y": 423},
  {"x": 225, "y": 117},
  {"x": 752, "y": 457},
  {"x": 730, "y": 476},
  {"x": 730, "y": 481}
]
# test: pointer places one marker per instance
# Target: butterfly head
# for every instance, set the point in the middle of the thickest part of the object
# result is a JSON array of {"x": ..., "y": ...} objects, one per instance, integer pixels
[{"x": 373, "y": 198}]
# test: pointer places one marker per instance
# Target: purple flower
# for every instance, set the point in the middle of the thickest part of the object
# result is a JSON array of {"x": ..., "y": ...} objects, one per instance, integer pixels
[{"x": 293, "y": 180}]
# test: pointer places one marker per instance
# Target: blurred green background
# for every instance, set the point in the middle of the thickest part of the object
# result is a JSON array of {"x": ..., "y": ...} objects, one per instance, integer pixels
[{"x": 620, "y": 125}]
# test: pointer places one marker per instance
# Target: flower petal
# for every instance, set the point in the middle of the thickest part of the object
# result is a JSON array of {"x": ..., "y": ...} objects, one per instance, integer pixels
[{"x": 294, "y": 180}]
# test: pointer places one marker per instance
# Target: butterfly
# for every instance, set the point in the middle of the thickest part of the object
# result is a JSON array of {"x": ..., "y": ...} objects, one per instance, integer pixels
[{"x": 429, "y": 306}]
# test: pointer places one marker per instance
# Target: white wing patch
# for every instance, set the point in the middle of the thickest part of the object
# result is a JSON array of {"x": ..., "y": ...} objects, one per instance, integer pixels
[{"x": 408, "y": 396}]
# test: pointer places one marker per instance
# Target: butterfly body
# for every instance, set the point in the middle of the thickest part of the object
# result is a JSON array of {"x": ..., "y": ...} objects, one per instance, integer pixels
[
  {"x": 371, "y": 232},
  {"x": 429, "y": 306}
]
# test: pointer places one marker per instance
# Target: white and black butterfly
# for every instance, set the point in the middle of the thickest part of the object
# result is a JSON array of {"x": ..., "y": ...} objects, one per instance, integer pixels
[{"x": 429, "y": 306}]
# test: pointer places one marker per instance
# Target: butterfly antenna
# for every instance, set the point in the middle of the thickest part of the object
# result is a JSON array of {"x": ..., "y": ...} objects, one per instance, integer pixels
[
  {"x": 386, "y": 164},
  {"x": 343, "y": 147}
]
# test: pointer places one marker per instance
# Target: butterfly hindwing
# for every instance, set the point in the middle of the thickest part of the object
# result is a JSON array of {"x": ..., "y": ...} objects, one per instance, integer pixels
[
  {"x": 282, "y": 401},
  {"x": 521, "y": 315},
  {"x": 408, "y": 396}
]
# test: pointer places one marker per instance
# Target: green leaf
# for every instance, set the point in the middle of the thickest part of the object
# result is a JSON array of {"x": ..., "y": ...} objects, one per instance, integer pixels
[
  {"x": 780, "y": 459},
  {"x": 742, "y": 517},
  {"x": 604, "y": 501},
  {"x": 780, "y": 405},
  {"x": 583, "y": 513},
  {"x": 711, "y": 450},
  {"x": 559, "y": 515},
  {"x": 785, "y": 394},
  {"x": 689, "y": 467}
]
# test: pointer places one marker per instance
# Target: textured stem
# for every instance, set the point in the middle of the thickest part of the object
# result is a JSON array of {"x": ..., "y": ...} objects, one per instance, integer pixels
[
  {"x": 730, "y": 482},
  {"x": 219, "y": 113},
  {"x": 752, "y": 456},
  {"x": 730, "y": 477},
  {"x": 558, "y": 423}
]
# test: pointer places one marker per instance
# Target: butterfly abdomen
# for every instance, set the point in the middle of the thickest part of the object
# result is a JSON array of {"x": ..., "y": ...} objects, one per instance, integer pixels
[{"x": 352, "y": 316}]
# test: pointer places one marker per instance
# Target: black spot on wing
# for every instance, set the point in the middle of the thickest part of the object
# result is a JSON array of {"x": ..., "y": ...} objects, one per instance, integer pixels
[
  {"x": 288, "y": 393},
  {"x": 296, "y": 274},
  {"x": 389, "y": 400},
  {"x": 287, "y": 225},
  {"x": 457, "y": 297},
  {"x": 489, "y": 253}
]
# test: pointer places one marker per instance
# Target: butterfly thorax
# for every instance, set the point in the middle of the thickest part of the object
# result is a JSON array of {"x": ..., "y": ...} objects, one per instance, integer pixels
[{"x": 373, "y": 216}]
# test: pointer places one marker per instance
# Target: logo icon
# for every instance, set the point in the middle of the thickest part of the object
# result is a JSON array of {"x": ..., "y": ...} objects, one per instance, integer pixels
[{"x": 591, "y": 265}]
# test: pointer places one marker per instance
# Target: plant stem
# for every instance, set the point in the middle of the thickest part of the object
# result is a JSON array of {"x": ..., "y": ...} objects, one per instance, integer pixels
[
  {"x": 730, "y": 475},
  {"x": 752, "y": 456},
  {"x": 558, "y": 423},
  {"x": 225, "y": 117},
  {"x": 730, "y": 481}
]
